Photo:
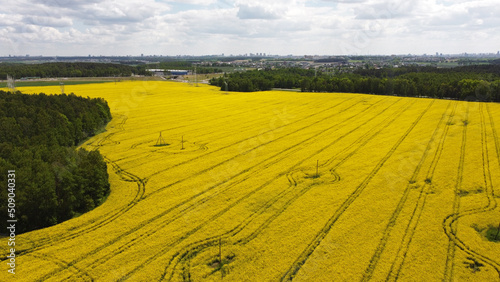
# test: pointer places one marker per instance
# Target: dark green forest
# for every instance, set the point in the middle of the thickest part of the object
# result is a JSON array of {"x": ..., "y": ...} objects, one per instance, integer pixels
[
  {"x": 476, "y": 82},
  {"x": 54, "y": 181},
  {"x": 77, "y": 69}
]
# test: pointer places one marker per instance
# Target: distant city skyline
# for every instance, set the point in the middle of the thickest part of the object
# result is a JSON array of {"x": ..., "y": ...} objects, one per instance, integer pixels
[{"x": 298, "y": 27}]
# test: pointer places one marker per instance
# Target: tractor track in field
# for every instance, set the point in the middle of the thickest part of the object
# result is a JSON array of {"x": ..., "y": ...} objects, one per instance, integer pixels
[
  {"x": 208, "y": 242},
  {"x": 450, "y": 255},
  {"x": 494, "y": 131},
  {"x": 90, "y": 225},
  {"x": 238, "y": 143},
  {"x": 273, "y": 161},
  {"x": 107, "y": 218},
  {"x": 43, "y": 242},
  {"x": 451, "y": 220},
  {"x": 362, "y": 141},
  {"x": 106, "y": 140},
  {"x": 409, "y": 232},
  {"x": 112, "y": 215},
  {"x": 209, "y": 122},
  {"x": 392, "y": 221},
  {"x": 149, "y": 221},
  {"x": 304, "y": 256},
  {"x": 244, "y": 152},
  {"x": 63, "y": 264},
  {"x": 198, "y": 246},
  {"x": 202, "y": 147},
  {"x": 198, "y": 123}
]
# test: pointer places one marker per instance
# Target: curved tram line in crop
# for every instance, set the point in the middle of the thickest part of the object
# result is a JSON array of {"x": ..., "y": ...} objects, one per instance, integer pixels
[
  {"x": 206, "y": 123},
  {"x": 110, "y": 216},
  {"x": 197, "y": 247},
  {"x": 450, "y": 222},
  {"x": 293, "y": 181},
  {"x": 184, "y": 256},
  {"x": 159, "y": 226},
  {"x": 91, "y": 224},
  {"x": 168, "y": 211},
  {"x": 448, "y": 273},
  {"x": 292, "y": 271},
  {"x": 124, "y": 175}
]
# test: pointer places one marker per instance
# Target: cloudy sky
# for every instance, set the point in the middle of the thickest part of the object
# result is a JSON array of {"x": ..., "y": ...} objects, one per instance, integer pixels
[{"x": 203, "y": 27}]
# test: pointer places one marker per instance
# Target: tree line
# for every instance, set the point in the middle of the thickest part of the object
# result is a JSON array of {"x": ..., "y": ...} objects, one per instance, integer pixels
[
  {"x": 63, "y": 69},
  {"x": 466, "y": 83},
  {"x": 54, "y": 181},
  {"x": 262, "y": 80}
]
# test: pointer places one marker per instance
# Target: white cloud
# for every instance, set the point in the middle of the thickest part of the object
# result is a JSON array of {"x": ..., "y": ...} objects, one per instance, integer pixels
[
  {"x": 79, "y": 27},
  {"x": 48, "y": 21},
  {"x": 194, "y": 2},
  {"x": 246, "y": 12}
]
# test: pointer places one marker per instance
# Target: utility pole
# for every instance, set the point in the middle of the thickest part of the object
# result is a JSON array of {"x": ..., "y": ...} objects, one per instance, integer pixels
[
  {"x": 195, "y": 76},
  {"x": 220, "y": 258},
  {"x": 160, "y": 141},
  {"x": 11, "y": 83},
  {"x": 220, "y": 250}
]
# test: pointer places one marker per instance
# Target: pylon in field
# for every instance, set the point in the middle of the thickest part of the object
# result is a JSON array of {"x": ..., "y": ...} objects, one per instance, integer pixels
[{"x": 160, "y": 141}]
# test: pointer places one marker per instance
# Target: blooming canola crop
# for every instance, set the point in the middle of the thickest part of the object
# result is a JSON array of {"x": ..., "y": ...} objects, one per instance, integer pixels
[{"x": 267, "y": 186}]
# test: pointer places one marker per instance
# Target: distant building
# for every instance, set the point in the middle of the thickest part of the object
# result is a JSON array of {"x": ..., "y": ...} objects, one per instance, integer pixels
[
  {"x": 161, "y": 72},
  {"x": 157, "y": 72},
  {"x": 178, "y": 72}
]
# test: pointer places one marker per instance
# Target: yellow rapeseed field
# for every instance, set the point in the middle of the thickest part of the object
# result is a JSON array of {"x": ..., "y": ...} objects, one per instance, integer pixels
[{"x": 270, "y": 186}]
